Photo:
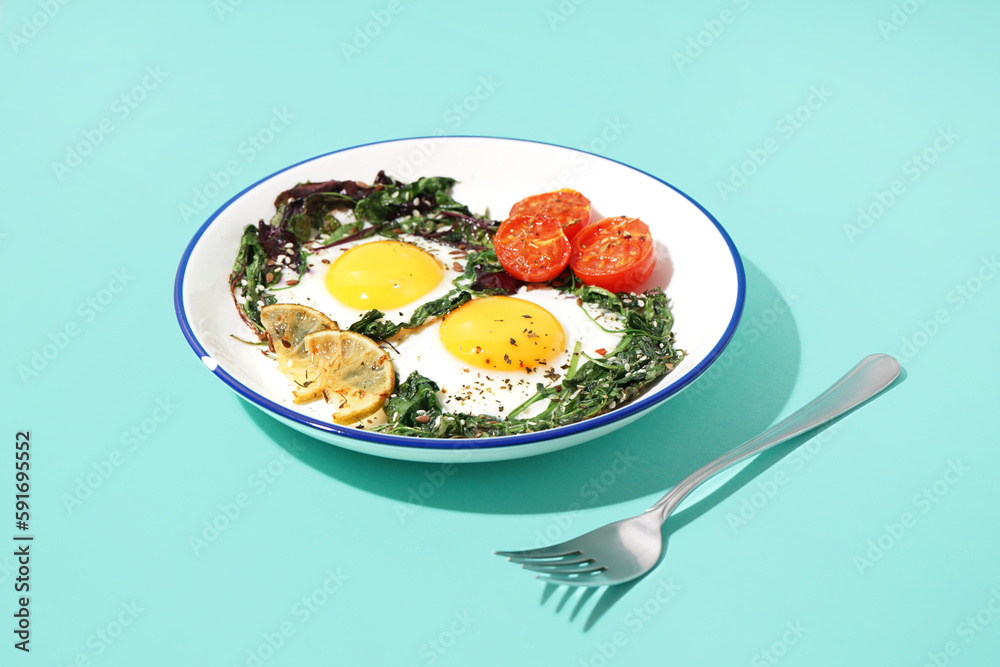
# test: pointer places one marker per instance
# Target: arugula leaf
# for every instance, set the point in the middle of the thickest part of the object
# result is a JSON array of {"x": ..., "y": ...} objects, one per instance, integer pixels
[
  {"x": 484, "y": 274},
  {"x": 374, "y": 326},
  {"x": 248, "y": 279},
  {"x": 396, "y": 200},
  {"x": 414, "y": 397},
  {"x": 303, "y": 217},
  {"x": 340, "y": 231},
  {"x": 352, "y": 189}
]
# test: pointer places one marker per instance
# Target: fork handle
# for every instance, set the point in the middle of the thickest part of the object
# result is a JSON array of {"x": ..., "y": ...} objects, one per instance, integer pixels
[{"x": 868, "y": 378}]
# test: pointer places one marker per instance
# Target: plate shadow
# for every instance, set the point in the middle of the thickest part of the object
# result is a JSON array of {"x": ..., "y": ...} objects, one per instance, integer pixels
[{"x": 739, "y": 396}]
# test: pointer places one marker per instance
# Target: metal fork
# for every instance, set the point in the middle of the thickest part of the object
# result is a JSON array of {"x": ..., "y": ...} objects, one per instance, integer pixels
[{"x": 629, "y": 548}]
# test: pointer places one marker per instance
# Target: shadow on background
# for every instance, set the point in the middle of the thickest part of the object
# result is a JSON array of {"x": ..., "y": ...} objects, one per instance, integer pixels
[
  {"x": 757, "y": 466},
  {"x": 612, "y": 594},
  {"x": 738, "y": 397}
]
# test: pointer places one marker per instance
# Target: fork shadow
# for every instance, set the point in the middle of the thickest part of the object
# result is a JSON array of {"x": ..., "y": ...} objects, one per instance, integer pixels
[
  {"x": 754, "y": 469},
  {"x": 611, "y": 595}
]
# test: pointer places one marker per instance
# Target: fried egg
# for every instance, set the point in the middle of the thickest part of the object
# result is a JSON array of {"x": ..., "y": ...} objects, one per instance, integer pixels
[
  {"x": 487, "y": 356},
  {"x": 394, "y": 276},
  {"x": 482, "y": 382}
]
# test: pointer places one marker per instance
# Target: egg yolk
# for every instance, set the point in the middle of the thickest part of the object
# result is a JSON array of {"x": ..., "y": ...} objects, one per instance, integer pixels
[
  {"x": 382, "y": 275},
  {"x": 503, "y": 333}
]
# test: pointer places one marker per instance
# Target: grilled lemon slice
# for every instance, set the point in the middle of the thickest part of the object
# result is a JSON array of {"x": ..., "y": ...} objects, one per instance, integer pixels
[
  {"x": 355, "y": 374},
  {"x": 287, "y": 325}
]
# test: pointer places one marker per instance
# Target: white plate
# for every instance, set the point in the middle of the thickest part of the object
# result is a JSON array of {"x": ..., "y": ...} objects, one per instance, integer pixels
[{"x": 696, "y": 262}]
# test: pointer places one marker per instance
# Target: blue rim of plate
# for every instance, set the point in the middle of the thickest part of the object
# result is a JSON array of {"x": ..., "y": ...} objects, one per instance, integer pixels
[{"x": 631, "y": 408}]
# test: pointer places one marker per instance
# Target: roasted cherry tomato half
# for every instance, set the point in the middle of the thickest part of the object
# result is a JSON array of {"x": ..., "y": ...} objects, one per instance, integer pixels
[
  {"x": 614, "y": 253},
  {"x": 532, "y": 248},
  {"x": 568, "y": 207}
]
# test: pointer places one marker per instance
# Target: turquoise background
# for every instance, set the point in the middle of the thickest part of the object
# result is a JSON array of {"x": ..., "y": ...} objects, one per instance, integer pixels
[{"x": 874, "y": 543}]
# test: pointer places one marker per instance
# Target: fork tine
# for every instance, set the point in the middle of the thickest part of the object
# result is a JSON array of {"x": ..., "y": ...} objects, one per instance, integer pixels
[
  {"x": 556, "y": 551},
  {"x": 579, "y": 560},
  {"x": 590, "y": 580},
  {"x": 559, "y": 568}
]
